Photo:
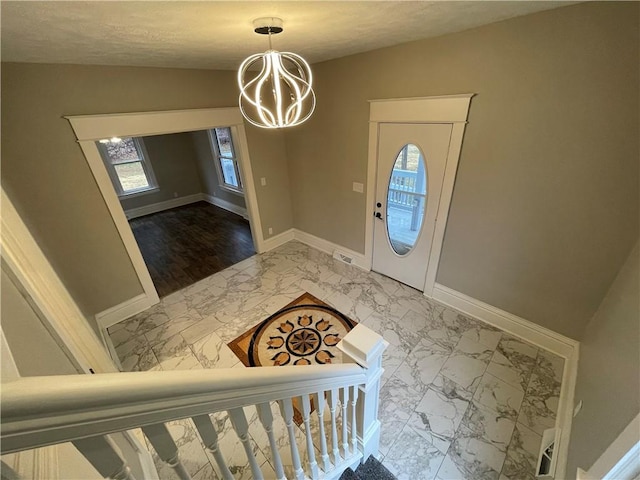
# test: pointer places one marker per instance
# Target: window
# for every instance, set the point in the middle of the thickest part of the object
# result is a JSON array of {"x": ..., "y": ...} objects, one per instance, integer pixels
[
  {"x": 128, "y": 168},
  {"x": 226, "y": 161}
]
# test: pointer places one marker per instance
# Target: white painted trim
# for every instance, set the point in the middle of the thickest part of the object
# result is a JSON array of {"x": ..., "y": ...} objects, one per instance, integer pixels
[
  {"x": 47, "y": 295},
  {"x": 40, "y": 411},
  {"x": 8, "y": 367},
  {"x": 230, "y": 207},
  {"x": 537, "y": 335},
  {"x": 279, "y": 239},
  {"x": 124, "y": 310},
  {"x": 529, "y": 331},
  {"x": 136, "y": 454},
  {"x": 451, "y": 109},
  {"x": 239, "y": 136},
  {"x": 92, "y": 155},
  {"x": 451, "y": 169},
  {"x": 95, "y": 127},
  {"x": 621, "y": 460},
  {"x": 160, "y": 206},
  {"x": 359, "y": 260},
  {"x": 372, "y": 172},
  {"x": 111, "y": 348},
  {"x": 564, "y": 417},
  {"x": 438, "y": 109},
  {"x": 89, "y": 128}
]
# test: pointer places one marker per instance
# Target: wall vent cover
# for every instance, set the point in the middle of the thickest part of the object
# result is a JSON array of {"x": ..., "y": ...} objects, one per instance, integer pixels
[{"x": 342, "y": 257}]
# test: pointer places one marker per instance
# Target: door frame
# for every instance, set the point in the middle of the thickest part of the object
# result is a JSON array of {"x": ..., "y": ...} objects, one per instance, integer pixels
[
  {"x": 91, "y": 128},
  {"x": 449, "y": 109}
]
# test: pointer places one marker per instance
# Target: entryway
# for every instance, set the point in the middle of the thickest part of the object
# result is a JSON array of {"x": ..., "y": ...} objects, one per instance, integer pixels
[
  {"x": 183, "y": 194},
  {"x": 90, "y": 129},
  {"x": 414, "y": 147}
]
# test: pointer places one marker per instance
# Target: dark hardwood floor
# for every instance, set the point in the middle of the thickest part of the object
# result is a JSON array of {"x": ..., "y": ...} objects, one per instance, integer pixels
[{"x": 186, "y": 244}]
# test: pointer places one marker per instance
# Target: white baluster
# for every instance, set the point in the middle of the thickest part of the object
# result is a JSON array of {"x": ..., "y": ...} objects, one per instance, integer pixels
[
  {"x": 354, "y": 428},
  {"x": 286, "y": 408},
  {"x": 333, "y": 405},
  {"x": 320, "y": 405},
  {"x": 266, "y": 418},
  {"x": 240, "y": 425},
  {"x": 366, "y": 347},
  {"x": 306, "y": 412},
  {"x": 166, "y": 448},
  {"x": 210, "y": 438},
  {"x": 344, "y": 401},
  {"x": 101, "y": 452}
]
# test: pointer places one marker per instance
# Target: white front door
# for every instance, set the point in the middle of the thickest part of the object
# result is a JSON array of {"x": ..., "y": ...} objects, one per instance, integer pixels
[{"x": 410, "y": 172}]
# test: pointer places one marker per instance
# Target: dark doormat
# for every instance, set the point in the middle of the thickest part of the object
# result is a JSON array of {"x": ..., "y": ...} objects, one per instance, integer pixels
[{"x": 372, "y": 469}]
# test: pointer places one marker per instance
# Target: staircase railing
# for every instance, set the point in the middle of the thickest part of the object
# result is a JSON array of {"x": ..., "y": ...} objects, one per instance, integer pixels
[{"x": 85, "y": 409}]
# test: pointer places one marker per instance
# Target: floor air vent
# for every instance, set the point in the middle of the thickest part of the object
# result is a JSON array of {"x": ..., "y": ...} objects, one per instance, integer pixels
[
  {"x": 547, "y": 458},
  {"x": 342, "y": 257}
]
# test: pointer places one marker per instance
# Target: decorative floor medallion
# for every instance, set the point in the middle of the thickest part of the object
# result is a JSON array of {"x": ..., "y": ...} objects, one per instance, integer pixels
[{"x": 305, "y": 332}]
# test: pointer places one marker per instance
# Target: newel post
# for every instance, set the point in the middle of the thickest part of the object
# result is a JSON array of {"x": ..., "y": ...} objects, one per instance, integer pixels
[{"x": 365, "y": 347}]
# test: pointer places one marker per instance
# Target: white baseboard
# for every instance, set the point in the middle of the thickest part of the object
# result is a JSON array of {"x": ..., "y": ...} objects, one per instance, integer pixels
[
  {"x": 529, "y": 331},
  {"x": 126, "y": 309},
  {"x": 160, "y": 206},
  {"x": 358, "y": 259},
  {"x": 277, "y": 240},
  {"x": 537, "y": 335},
  {"x": 231, "y": 207},
  {"x": 111, "y": 348}
]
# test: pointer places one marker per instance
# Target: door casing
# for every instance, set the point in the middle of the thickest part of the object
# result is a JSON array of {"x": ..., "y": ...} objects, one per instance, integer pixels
[
  {"x": 450, "y": 109},
  {"x": 90, "y": 128}
]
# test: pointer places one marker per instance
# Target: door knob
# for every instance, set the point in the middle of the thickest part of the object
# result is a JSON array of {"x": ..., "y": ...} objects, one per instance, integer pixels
[{"x": 378, "y": 215}]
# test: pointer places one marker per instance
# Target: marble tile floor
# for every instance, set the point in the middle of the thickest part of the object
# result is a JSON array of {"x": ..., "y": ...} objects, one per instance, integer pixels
[{"x": 460, "y": 399}]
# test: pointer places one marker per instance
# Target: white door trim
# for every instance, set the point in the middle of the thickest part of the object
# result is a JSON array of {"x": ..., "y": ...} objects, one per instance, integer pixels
[
  {"x": 89, "y": 128},
  {"x": 48, "y": 297},
  {"x": 451, "y": 109}
]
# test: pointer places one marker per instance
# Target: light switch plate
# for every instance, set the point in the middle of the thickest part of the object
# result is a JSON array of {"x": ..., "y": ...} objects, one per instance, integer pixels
[
  {"x": 263, "y": 181},
  {"x": 358, "y": 187}
]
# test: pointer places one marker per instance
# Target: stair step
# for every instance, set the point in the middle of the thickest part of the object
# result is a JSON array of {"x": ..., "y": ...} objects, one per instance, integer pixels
[{"x": 372, "y": 469}]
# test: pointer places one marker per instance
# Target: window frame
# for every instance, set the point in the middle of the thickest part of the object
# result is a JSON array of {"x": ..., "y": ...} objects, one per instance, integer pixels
[
  {"x": 218, "y": 156},
  {"x": 144, "y": 160}
]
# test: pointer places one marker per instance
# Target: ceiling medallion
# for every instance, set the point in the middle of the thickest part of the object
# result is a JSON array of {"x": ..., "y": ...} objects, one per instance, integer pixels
[{"x": 275, "y": 87}]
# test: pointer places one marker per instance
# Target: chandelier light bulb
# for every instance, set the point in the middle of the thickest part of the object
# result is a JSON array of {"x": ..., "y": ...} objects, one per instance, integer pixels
[{"x": 275, "y": 87}]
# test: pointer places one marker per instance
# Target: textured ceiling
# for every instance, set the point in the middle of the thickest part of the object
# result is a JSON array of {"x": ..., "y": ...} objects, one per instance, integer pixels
[{"x": 219, "y": 35}]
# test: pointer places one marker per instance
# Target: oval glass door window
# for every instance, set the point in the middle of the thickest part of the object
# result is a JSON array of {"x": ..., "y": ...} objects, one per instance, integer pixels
[{"x": 407, "y": 199}]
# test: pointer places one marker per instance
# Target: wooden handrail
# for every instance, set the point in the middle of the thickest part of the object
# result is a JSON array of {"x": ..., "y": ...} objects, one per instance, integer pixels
[{"x": 40, "y": 411}]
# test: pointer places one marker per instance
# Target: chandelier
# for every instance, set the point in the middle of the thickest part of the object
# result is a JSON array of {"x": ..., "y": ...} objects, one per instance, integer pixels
[{"x": 275, "y": 87}]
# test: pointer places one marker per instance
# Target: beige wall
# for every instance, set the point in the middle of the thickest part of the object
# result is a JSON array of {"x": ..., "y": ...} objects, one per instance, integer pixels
[
  {"x": 269, "y": 160},
  {"x": 173, "y": 159},
  {"x": 49, "y": 181},
  {"x": 205, "y": 161},
  {"x": 545, "y": 205},
  {"x": 26, "y": 335},
  {"x": 609, "y": 371}
]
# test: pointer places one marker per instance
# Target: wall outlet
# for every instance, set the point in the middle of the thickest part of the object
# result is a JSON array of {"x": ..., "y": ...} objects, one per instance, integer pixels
[
  {"x": 358, "y": 187},
  {"x": 263, "y": 181},
  {"x": 175, "y": 194},
  {"x": 270, "y": 231}
]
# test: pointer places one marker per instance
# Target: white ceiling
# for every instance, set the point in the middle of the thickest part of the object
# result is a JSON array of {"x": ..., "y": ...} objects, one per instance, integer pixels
[{"x": 219, "y": 35}]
